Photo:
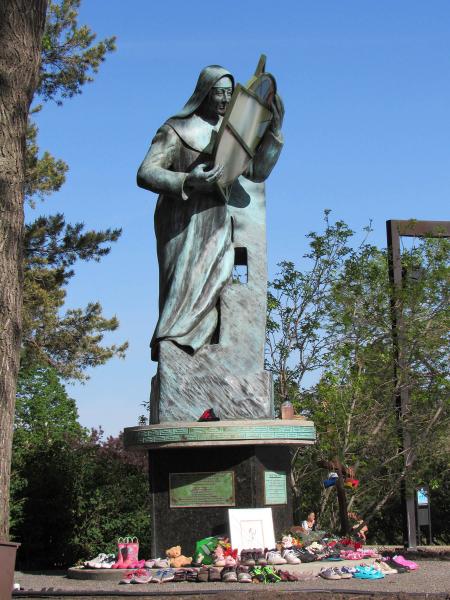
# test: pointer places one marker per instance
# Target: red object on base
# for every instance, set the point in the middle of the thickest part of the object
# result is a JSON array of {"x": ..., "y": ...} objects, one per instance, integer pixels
[{"x": 208, "y": 415}]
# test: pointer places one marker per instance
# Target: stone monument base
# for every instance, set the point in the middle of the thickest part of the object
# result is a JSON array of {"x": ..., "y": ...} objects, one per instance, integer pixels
[
  {"x": 207, "y": 380},
  {"x": 200, "y": 470}
]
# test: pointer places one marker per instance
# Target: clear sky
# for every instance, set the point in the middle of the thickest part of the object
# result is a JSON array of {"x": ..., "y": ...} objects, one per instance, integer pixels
[{"x": 366, "y": 86}]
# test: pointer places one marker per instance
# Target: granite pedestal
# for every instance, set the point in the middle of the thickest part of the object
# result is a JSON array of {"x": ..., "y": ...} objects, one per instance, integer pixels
[{"x": 253, "y": 458}]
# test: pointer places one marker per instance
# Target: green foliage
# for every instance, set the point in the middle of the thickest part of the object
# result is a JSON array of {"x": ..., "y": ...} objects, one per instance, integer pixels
[
  {"x": 298, "y": 310},
  {"x": 352, "y": 405},
  {"x": 72, "y": 341},
  {"x": 69, "y": 342},
  {"x": 68, "y": 55},
  {"x": 45, "y": 174},
  {"x": 72, "y": 493}
]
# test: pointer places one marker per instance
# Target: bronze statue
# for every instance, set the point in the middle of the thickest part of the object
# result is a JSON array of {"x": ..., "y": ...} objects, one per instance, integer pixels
[{"x": 196, "y": 244}]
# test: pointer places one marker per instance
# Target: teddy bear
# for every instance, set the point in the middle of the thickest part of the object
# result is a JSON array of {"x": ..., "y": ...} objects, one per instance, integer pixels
[{"x": 176, "y": 559}]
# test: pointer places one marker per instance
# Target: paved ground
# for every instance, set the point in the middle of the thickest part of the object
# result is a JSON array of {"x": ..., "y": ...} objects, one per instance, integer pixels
[{"x": 432, "y": 579}]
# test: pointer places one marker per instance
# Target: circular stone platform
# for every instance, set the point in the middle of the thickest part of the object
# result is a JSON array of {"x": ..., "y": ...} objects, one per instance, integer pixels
[
  {"x": 176, "y": 434},
  {"x": 97, "y": 574}
]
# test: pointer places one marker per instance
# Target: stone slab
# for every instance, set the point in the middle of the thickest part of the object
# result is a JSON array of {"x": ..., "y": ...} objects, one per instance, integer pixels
[
  {"x": 187, "y": 385},
  {"x": 97, "y": 574},
  {"x": 227, "y": 433}
]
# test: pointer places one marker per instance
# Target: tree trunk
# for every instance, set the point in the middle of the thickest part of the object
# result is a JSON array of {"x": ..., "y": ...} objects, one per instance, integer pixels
[
  {"x": 342, "y": 501},
  {"x": 21, "y": 28}
]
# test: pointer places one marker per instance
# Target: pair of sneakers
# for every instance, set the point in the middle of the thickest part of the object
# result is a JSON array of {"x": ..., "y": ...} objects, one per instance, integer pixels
[
  {"x": 210, "y": 574},
  {"x": 102, "y": 561},
  {"x": 163, "y": 575},
  {"x": 265, "y": 574},
  {"x": 286, "y": 556},
  {"x": 252, "y": 557},
  {"x": 367, "y": 572},
  {"x": 273, "y": 557},
  {"x": 290, "y": 556},
  {"x": 337, "y": 573},
  {"x": 139, "y": 576}
]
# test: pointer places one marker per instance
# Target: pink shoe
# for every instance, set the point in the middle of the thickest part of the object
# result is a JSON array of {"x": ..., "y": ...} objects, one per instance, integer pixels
[
  {"x": 368, "y": 554},
  {"x": 403, "y": 562},
  {"x": 229, "y": 561},
  {"x": 137, "y": 564},
  {"x": 351, "y": 555}
]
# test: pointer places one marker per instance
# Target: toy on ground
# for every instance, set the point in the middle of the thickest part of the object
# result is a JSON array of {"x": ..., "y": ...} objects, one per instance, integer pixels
[{"x": 177, "y": 560}]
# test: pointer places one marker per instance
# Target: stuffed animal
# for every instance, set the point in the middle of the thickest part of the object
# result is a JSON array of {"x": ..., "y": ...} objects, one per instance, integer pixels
[{"x": 176, "y": 559}]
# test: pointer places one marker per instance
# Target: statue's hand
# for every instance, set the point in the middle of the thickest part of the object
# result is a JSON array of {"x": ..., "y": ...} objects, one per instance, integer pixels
[
  {"x": 278, "y": 114},
  {"x": 203, "y": 179}
]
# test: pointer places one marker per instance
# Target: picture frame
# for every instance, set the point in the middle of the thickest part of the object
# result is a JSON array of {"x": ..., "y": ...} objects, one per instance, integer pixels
[{"x": 251, "y": 528}]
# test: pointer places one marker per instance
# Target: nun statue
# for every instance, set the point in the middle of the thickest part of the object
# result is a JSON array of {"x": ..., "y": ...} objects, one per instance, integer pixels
[{"x": 198, "y": 244}]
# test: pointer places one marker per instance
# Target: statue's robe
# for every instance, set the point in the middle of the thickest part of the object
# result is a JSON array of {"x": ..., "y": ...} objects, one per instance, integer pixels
[{"x": 193, "y": 230}]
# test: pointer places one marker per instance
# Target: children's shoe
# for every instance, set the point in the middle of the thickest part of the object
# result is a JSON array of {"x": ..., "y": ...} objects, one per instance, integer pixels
[
  {"x": 167, "y": 575},
  {"x": 328, "y": 574},
  {"x": 248, "y": 558},
  {"x": 180, "y": 575},
  {"x": 257, "y": 575},
  {"x": 367, "y": 572},
  {"x": 259, "y": 557},
  {"x": 230, "y": 561},
  {"x": 128, "y": 578},
  {"x": 274, "y": 558},
  {"x": 403, "y": 562},
  {"x": 343, "y": 573},
  {"x": 243, "y": 574},
  {"x": 203, "y": 575},
  {"x": 271, "y": 575},
  {"x": 229, "y": 574},
  {"x": 141, "y": 576},
  {"x": 95, "y": 563},
  {"x": 290, "y": 557},
  {"x": 304, "y": 555},
  {"x": 108, "y": 562},
  {"x": 214, "y": 574},
  {"x": 191, "y": 574},
  {"x": 161, "y": 563},
  {"x": 137, "y": 564}
]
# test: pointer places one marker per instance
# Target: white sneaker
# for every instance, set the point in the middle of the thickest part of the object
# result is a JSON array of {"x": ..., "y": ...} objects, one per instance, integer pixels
[
  {"x": 274, "y": 558},
  {"x": 161, "y": 563},
  {"x": 108, "y": 562},
  {"x": 95, "y": 562},
  {"x": 290, "y": 558}
]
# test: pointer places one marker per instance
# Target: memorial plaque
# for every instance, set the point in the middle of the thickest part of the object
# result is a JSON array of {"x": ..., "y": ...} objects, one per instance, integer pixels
[
  {"x": 188, "y": 490},
  {"x": 275, "y": 491}
]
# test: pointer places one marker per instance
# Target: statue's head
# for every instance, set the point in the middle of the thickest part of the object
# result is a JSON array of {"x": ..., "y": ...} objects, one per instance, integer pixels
[
  {"x": 212, "y": 93},
  {"x": 219, "y": 97}
]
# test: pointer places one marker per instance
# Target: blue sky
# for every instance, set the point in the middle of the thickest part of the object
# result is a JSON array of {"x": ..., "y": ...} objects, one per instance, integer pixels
[{"x": 366, "y": 86}]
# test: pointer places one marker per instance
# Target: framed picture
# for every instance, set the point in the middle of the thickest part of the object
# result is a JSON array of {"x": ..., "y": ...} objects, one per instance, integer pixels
[{"x": 251, "y": 528}]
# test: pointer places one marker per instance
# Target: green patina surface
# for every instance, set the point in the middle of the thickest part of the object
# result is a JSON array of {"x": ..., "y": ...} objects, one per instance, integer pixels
[
  {"x": 197, "y": 434},
  {"x": 201, "y": 489}
]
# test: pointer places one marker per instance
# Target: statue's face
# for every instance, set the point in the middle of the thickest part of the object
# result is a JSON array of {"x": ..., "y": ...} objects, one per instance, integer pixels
[{"x": 220, "y": 96}]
